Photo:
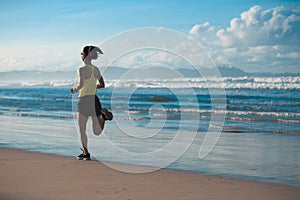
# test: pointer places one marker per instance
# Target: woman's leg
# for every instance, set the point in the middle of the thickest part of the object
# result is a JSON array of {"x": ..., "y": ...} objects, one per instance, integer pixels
[
  {"x": 98, "y": 121},
  {"x": 82, "y": 121},
  {"x": 98, "y": 124}
]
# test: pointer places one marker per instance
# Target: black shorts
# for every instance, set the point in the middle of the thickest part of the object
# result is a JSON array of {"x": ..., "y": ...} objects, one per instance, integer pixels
[{"x": 89, "y": 105}]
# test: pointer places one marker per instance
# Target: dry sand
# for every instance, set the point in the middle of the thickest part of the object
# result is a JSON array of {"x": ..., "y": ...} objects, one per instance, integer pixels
[{"x": 32, "y": 176}]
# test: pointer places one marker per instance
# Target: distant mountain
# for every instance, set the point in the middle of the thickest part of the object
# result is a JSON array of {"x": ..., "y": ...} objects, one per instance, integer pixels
[
  {"x": 116, "y": 72},
  {"x": 139, "y": 73},
  {"x": 37, "y": 75},
  {"x": 113, "y": 72},
  {"x": 232, "y": 72},
  {"x": 262, "y": 74},
  {"x": 224, "y": 71}
]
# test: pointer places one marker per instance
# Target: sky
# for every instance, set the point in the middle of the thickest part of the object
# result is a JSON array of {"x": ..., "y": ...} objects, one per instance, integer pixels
[{"x": 253, "y": 35}]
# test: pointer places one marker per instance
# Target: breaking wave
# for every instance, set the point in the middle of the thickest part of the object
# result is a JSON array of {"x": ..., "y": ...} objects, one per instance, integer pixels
[{"x": 279, "y": 83}]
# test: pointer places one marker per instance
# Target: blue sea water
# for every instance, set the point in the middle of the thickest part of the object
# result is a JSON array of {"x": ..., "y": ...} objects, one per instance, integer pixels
[{"x": 260, "y": 136}]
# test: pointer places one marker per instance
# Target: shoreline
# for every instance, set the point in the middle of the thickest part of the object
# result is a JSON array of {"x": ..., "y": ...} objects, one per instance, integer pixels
[
  {"x": 140, "y": 169},
  {"x": 30, "y": 175},
  {"x": 62, "y": 140}
]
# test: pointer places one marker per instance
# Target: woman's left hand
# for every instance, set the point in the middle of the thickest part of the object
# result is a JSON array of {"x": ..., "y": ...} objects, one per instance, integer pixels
[{"x": 73, "y": 90}]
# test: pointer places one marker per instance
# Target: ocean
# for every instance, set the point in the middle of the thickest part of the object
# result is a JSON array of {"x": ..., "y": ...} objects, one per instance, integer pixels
[{"x": 259, "y": 120}]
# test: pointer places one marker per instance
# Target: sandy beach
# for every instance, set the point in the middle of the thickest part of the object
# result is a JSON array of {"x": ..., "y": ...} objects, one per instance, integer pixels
[{"x": 30, "y": 176}]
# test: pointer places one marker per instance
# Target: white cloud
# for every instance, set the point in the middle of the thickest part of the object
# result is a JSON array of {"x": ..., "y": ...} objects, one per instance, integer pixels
[
  {"x": 205, "y": 33},
  {"x": 259, "y": 40},
  {"x": 262, "y": 27},
  {"x": 42, "y": 57}
]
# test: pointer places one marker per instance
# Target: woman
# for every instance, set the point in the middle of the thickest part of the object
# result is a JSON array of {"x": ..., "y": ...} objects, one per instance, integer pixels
[{"x": 89, "y": 79}]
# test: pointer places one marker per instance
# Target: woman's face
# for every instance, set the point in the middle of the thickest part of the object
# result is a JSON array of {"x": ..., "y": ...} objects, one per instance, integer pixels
[{"x": 82, "y": 56}]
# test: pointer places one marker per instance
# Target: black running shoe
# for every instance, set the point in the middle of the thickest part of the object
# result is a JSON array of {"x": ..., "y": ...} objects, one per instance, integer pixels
[
  {"x": 84, "y": 156},
  {"x": 106, "y": 114}
]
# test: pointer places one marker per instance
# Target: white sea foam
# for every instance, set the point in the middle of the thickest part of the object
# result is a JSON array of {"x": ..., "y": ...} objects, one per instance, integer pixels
[
  {"x": 283, "y": 83},
  {"x": 227, "y": 112},
  {"x": 53, "y": 83},
  {"x": 280, "y": 83}
]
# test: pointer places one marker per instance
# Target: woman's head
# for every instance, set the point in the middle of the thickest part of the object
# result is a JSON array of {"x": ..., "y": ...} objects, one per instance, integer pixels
[{"x": 90, "y": 52}]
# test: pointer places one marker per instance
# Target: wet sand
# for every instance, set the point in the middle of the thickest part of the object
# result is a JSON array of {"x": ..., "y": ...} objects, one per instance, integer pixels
[{"x": 33, "y": 176}]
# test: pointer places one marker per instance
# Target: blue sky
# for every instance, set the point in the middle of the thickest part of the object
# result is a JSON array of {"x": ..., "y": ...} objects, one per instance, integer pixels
[{"x": 42, "y": 28}]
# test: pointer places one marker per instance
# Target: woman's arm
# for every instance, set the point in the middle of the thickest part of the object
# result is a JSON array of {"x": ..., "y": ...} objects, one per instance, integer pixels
[
  {"x": 101, "y": 83},
  {"x": 100, "y": 79}
]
